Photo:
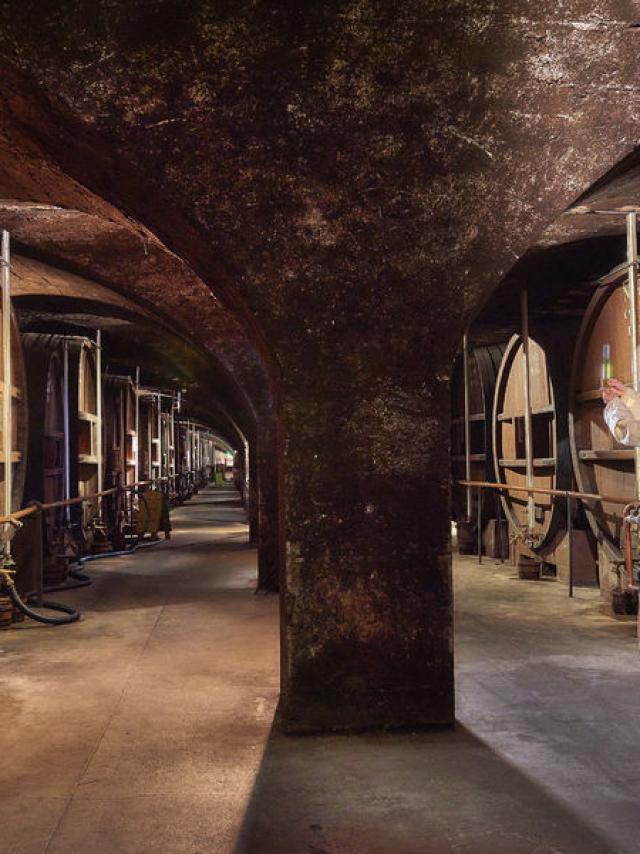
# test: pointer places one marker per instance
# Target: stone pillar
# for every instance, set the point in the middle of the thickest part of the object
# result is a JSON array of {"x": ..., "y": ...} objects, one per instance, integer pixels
[
  {"x": 270, "y": 551},
  {"x": 367, "y": 605},
  {"x": 252, "y": 496}
]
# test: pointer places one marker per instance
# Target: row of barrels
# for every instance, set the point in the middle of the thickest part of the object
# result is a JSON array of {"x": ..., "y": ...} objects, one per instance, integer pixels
[
  {"x": 571, "y": 446},
  {"x": 111, "y": 434}
]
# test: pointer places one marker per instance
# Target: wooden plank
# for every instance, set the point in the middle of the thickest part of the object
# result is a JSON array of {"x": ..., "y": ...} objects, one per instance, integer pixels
[
  {"x": 549, "y": 409},
  {"x": 538, "y": 462},
  {"x": 613, "y": 454},
  {"x": 460, "y": 458},
  {"x": 476, "y": 416}
]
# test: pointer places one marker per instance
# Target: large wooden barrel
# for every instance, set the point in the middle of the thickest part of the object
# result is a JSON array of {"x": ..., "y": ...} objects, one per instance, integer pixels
[
  {"x": 19, "y": 439},
  {"x": 483, "y": 366},
  {"x": 45, "y": 364},
  {"x": 602, "y": 465},
  {"x": 167, "y": 444},
  {"x": 548, "y": 383},
  {"x": 150, "y": 454},
  {"x": 184, "y": 447},
  {"x": 45, "y": 477},
  {"x": 83, "y": 417},
  {"x": 119, "y": 417}
]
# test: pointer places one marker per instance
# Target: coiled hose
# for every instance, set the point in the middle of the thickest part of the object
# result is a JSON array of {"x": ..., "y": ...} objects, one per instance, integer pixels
[
  {"x": 70, "y": 614},
  {"x": 81, "y": 579}
]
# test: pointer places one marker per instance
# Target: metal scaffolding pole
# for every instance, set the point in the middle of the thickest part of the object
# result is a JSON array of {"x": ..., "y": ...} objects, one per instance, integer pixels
[
  {"x": 66, "y": 428},
  {"x": 632, "y": 293},
  {"x": 137, "y": 426},
  {"x": 524, "y": 312},
  {"x": 159, "y": 420},
  {"x": 467, "y": 425},
  {"x": 172, "y": 455},
  {"x": 98, "y": 346},
  {"x": 7, "y": 421}
]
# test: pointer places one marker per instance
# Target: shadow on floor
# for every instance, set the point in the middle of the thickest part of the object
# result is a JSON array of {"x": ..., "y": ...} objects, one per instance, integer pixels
[
  {"x": 423, "y": 793},
  {"x": 198, "y": 502}
]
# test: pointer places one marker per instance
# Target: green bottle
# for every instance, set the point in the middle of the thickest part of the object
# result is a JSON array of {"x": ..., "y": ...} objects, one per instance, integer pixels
[{"x": 606, "y": 370}]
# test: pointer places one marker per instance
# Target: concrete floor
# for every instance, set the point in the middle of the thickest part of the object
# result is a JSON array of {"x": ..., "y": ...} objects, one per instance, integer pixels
[{"x": 146, "y": 727}]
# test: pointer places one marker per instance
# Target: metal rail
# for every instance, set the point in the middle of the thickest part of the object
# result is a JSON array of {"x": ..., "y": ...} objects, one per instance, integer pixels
[
  {"x": 538, "y": 490},
  {"x": 632, "y": 293},
  {"x": 528, "y": 424},
  {"x": 467, "y": 425},
  {"x": 85, "y": 499},
  {"x": 568, "y": 494},
  {"x": 7, "y": 391}
]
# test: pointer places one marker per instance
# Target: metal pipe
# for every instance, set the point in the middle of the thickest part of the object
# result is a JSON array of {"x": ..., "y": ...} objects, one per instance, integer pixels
[
  {"x": 246, "y": 464},
  {"x": 626, "y": 538},
  {"x": 524, "y": 313},
  {"x": 467, "y": 425},
  {"x": 7, "y": 423},
  {"x": 480, "y": 525},
  {"x": 499, "y": 514},
  {"x": 137, "y": 426},
  {"x": 570, "y": 544},
  {"x": 537, "y": 490},
  {"x": 66, "y": 428},
  {"x": 632, "y": 293},
  {"x": 172, "y": 457},
  {"x": 98, "y": 348},
  {"x": 160, "y": 466}
]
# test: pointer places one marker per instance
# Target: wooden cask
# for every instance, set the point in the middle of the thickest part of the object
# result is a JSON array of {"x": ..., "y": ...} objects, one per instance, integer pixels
[
  {"x": 602, "y": 465},
  {"x": 548, "y": 383},
  {"x": 45, "y": 358},
  {"x": 167, "y": 444},
  {"x": 20, "y": 421},
  {"x": 483, "y": 365},
  {"x": 149, "y": 442},
  {"x": 120, "y": 438}
]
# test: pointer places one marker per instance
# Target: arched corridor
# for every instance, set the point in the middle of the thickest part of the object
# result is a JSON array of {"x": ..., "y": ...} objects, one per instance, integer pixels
[{"x": 332, "y": 295}]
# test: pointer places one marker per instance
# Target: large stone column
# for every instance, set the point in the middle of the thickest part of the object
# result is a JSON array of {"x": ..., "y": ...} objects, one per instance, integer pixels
[
  {"x": 270, "y": 542},
  {"x": 252, "y": 496},
  {"x": 367, "y": 634}
]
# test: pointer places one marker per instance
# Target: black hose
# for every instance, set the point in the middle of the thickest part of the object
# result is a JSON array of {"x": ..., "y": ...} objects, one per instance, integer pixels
[
  {"x": 71, "y": 614},
  {"x": 80, "y": 579}
]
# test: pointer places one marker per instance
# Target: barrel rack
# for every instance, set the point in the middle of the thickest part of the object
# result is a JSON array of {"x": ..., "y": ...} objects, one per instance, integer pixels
[
  {"x": 569, "y": 496},
  {"x": 11, "y": 522},
  {"x": 585, "y": 456}
]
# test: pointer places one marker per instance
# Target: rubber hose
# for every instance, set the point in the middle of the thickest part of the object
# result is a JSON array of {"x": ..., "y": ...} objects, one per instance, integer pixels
[
  {"x": 121, "y": 553},
  {"x": 80, "y": 579},
  {"x": 71, "y": 614},
  {"x": 105, "y": 555}
]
